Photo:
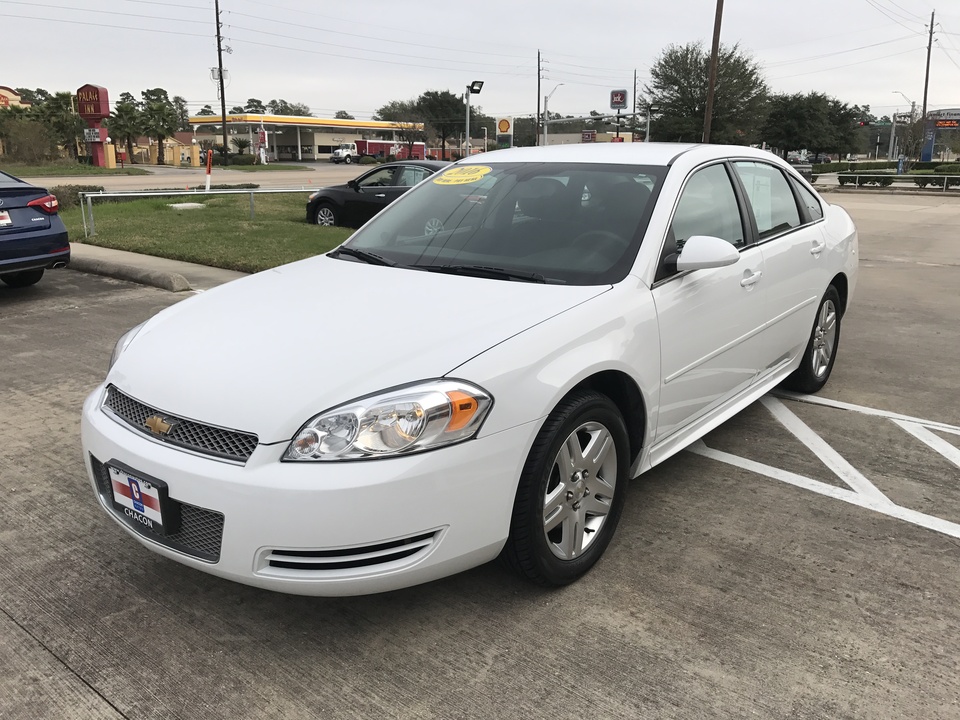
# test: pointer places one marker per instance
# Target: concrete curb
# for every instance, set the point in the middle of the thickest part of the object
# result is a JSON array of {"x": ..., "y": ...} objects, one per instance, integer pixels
[{"x": 171, "y": 281}]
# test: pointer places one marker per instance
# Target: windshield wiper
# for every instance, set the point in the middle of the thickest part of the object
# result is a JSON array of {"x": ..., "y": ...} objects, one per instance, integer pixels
[
  {"x": 485, "y": 272},
  {"x": 367, "y": 257}
]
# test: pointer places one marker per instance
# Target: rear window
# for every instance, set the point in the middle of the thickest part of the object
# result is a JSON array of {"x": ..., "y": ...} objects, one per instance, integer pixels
[{"x": 10, "y": 181}]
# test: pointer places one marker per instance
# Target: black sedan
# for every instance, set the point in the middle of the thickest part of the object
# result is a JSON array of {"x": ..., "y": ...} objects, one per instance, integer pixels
[
  {"x": 32, "y": 235},
  {"x": 351, "y": 205}
]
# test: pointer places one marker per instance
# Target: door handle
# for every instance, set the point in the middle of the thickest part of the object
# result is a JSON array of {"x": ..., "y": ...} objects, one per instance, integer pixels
[
  {"x": 380, "y": 195},
  {"x": 818, "y": 248},
  {"x": 750, "y": 279}
]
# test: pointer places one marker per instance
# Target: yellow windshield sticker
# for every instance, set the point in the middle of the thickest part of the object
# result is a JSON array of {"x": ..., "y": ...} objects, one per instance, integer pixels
[{"x": 462, "y": 175}]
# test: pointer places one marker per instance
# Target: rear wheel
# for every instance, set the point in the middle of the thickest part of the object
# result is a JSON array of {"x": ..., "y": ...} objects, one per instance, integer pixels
[
  {"x": 821, "y": 351},
  {"x": 571, "y": 492},
  {"x": 24, "y": 278},
  {"x": 326, "y": 215}
]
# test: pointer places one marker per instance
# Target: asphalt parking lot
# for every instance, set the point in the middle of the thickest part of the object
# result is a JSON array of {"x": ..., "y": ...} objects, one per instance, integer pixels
[{"x": 800, "y": 563}]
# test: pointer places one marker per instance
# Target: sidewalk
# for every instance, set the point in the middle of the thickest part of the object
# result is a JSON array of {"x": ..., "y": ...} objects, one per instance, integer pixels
[{"x": 172, "y": 275}]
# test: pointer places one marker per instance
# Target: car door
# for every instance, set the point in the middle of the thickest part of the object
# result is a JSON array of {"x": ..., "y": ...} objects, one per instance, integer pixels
[
  {"x": 791, "y": 239},
  {"x": 710, "y": 320},
  {"x": 372, "y": 193}
]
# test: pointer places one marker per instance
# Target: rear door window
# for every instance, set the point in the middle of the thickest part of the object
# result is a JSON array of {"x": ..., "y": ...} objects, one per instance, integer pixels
[{"x": 774, "y": 206}]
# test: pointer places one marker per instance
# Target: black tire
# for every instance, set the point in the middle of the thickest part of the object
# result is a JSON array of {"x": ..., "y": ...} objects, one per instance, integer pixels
[
  {"x": 22, "y": 279},
  {"x": 348, "y": 159},
  {"x": 326, "y": 215},
  {"x": 815, "y": 369},
  {"x": 532, "y": 550}
]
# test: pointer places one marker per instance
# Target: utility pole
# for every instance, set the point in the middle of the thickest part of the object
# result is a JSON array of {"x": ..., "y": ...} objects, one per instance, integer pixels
[
  {"x": 536, "y": 124},
  {"x": 712, "y": 82},
  {"x": 223, "y": 94},
  {"x": 926, "y": 79}
]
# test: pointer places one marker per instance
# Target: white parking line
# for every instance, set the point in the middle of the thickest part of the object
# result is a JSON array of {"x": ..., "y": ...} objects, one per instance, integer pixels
[{"x": 862, "y": 492}]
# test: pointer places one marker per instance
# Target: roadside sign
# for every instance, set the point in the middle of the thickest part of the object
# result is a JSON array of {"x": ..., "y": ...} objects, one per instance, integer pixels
[
  {"x": 618, "y": 99},
  {"x": 616, "y": 139},
  {"x": 588, "y": 136}
]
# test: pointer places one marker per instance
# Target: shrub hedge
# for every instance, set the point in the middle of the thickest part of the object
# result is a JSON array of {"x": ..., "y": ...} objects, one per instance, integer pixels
[
  {"x": 243, "y": 159},
  {"x": 861, "y": 180},
  {"x": 69, "y": 195}
]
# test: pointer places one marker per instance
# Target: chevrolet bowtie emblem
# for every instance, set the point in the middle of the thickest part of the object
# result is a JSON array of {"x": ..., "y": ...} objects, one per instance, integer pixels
[{"x": 159, "y": 426}]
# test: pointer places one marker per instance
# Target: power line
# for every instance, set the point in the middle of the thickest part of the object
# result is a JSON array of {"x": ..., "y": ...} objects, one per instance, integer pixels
[
  {"x": 99, "y": 12},
  {"x": 362, "y": 59},
  {"x": 838, "y": 52},
  {"x": 887, "y": 15},
  {"x": 838, "y": 67},
  {"x": 166, "y": 4},
  {"x": 114, "y": 27},
  {"x": 361, "y": 49},
  {"x": 918, "y": 17}
]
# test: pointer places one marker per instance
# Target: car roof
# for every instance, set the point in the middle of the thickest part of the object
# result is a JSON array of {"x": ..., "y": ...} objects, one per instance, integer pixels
[
  {"x": 657, "y": 154},
  {"x": 432, "y": 164}
]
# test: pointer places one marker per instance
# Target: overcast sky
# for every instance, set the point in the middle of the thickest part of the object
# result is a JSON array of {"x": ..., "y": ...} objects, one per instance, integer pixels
[{"x": 357, "y": 56}]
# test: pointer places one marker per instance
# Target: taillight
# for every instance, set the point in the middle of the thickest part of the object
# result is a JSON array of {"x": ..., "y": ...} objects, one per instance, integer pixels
[{"x": 47, "y": 204}]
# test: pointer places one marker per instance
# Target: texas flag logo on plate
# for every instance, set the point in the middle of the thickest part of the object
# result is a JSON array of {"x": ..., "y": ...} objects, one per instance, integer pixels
[{"x": 139, "y": 499}]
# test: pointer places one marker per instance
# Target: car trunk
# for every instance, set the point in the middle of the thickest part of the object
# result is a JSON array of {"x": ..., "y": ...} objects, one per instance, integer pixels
[{"x": 18, "y": 221}]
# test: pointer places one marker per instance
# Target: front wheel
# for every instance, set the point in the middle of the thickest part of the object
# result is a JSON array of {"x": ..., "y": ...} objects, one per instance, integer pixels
[
  {"x": 326, "y": 215},
  {"x": 22, "y": 279},
  {"x": 348, "y": 159},
  {"x": 821, "y": 351},
  {"x": 571, "y": 492}
]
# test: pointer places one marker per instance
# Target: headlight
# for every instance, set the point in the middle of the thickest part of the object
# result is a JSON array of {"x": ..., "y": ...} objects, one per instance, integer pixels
[
  {"x": 411, "y": 419},
  {"x": 123, "y": 342}
]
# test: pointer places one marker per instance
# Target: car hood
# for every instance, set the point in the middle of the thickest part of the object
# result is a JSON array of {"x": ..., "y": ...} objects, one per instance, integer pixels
[{"x": 266, "y": 353}]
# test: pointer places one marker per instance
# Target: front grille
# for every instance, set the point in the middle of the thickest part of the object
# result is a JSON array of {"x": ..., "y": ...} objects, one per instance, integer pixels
[
  {"x": 318, "y": 561},
  {"x": 206, "y": 439},
  {"x": 200, "y": 532}
]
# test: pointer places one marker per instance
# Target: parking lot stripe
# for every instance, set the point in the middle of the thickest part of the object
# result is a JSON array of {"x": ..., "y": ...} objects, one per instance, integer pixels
[
  {"x": 828, "y": 456},
  {"x": 883, "y": 506},
  {"x": 814, "y": 400},
  {"x": 932, "y": 441}
]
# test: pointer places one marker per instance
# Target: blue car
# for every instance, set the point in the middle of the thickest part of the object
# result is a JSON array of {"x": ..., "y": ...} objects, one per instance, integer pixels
[{"x": 32, "y": 235}]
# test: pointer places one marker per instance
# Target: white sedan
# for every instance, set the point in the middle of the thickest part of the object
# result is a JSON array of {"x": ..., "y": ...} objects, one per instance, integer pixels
[{"x": 477, "y": 372}]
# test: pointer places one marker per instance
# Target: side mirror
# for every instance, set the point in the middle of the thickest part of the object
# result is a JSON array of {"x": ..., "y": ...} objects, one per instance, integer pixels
[
  {"x": 704, "y": 251},
  {"x": 353, "y": 184}
]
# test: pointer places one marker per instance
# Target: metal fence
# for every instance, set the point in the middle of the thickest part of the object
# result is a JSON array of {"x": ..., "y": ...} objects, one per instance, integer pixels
[
  {"x": 942, "y": 182},
  {"x": 87, "y": 198}
]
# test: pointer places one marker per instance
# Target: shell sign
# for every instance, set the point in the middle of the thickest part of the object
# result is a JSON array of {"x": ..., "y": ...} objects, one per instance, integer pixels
[{"x": 505, "y": 126}]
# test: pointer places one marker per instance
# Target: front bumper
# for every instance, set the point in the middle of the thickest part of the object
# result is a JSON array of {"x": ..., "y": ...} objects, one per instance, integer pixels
[{"x": 342, "y": 528}]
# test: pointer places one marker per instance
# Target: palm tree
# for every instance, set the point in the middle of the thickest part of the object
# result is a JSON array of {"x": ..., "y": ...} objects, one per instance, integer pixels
[
  {"x": 67, "y": 127},
  {"x": 126, "y": 125},
  {"x": 160, "y": 122},
  {"x": 241, "y": 144}
]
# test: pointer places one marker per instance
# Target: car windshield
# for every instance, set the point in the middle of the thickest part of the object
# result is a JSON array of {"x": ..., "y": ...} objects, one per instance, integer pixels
[{"x": 577, "y": 224}]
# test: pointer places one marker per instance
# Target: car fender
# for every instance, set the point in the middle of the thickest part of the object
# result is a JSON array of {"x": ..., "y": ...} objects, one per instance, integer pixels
[{"x": 530, "y": 373}]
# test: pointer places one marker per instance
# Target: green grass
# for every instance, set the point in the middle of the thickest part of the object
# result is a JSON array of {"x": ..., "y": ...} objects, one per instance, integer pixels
[
  {"x": 56, "y": 169},
  {"x": 272, "y": 167},
  {"x": 220, "y": 235}
]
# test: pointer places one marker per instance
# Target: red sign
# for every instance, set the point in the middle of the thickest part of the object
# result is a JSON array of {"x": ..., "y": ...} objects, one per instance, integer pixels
[
  {"x": 616, "y": 139},
  {"x": 4, "y": 101},
  {"x": 93, "y": 103},
  {"x": 588, "y": 136},
  {"x": 618, "y": 99}
]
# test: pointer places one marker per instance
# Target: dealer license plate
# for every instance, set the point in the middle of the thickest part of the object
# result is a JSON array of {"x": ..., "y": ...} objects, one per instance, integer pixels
[
  {"x": 5, "y": 219},
  {"x": 140, "y": 500}
]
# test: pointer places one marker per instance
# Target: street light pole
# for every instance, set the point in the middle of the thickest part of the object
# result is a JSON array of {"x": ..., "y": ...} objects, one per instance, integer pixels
[
  {"x": 472, "y": 89},
  {"x": 484, "y": 138},
  {"x": 651, "y": 109},
  {"x": 546, "y": 114}
]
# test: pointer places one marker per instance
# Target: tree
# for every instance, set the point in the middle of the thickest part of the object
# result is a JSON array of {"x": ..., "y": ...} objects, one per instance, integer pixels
[
  {"x": 241, "y": 144},
  {"x": 409, "y": 121},
  {"x": 679, "y": 86},
  {"x": 444, "y": 112},
  {"x": 282, "y": 107},
  {"x": 344, "y": 115},
  {"x": 255, "y": 107},
  {"x": 26, "y": 139},
  {"x": 126, "y": 123},
  {"x": 183, "y": 114},
  {"x": 159, "y": 117},
  {"x": 34, "y": 97},
  {"x": 206, "y": 110},
  {"x": 64, "y": 124},
  {"x": 237, "y": 110}
]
